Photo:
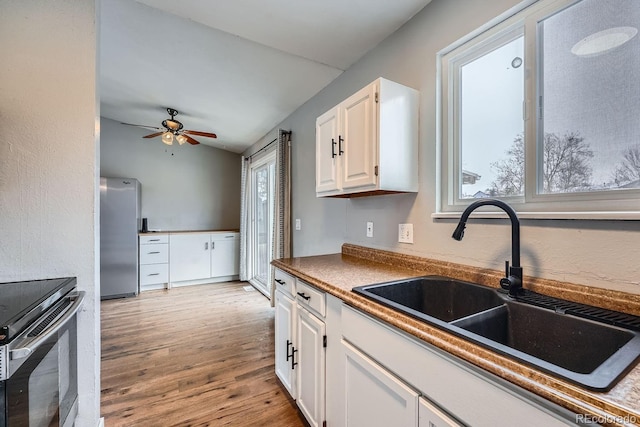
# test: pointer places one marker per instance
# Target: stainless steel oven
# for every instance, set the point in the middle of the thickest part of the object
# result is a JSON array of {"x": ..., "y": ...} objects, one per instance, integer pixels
[{"x": 38, "y": 353}]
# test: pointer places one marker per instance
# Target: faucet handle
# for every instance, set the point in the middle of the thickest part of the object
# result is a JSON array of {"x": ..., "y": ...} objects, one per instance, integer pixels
[{"x": 505, "y": 282}]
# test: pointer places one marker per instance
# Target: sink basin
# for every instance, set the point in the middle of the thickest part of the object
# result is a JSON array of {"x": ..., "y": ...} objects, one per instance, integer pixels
[
  {"x": 430, "y": 297},
  {"x": 590, "y": 353}
]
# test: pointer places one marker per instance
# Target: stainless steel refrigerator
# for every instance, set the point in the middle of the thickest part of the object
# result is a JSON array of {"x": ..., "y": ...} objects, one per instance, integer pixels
[{"x": 119, "y": 225}]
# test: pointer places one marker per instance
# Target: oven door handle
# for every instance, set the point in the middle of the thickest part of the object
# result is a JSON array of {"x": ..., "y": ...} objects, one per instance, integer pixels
[{"x": 28, "y": 346}]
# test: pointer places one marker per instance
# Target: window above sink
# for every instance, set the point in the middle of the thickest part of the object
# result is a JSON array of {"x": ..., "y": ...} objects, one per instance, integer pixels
[{"x": 539, "y": 109}]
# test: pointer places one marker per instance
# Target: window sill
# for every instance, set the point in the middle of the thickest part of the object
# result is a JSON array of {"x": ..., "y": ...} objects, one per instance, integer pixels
[{"x": 606, "y": 216}]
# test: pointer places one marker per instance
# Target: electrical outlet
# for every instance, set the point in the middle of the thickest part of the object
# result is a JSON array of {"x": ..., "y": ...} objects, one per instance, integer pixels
[
  {"x": 298, "y": 224},
  {"x": 369, "y": 229},
  {"x": 405, "y": 233}
]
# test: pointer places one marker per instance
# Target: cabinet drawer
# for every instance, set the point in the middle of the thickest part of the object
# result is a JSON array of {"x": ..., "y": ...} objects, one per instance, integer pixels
[
  {"x": 284, "y": 282},
  {"x": 225, "y": 236},
  {"x": 154, "y": 254},
  {"x": 154, "y": 273},
  {"x": 310, "y": 297},
  {"x": 154, "y": 238}
]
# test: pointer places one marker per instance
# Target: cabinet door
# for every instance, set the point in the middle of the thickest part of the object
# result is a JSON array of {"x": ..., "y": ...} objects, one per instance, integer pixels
[
  {"x": 359, "y": 130},
  {"x": 373, "y": 396},
  {"x": 327, "y": 155},
  {"x": 311, "y": 365},
  {"x": 284, "y": 334},
  {"x": 189, "y": 257},
  {"x": 225, "y": 255},
  {"x": 430, "y": 416}
]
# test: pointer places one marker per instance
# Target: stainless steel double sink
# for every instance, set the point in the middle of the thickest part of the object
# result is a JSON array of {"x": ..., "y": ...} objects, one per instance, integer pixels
[{"x": 591, "y": 353}]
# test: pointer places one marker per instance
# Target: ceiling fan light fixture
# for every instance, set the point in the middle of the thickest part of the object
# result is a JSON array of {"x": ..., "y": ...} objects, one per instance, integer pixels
[
  {"x": 172, "y": 129},
  {"x": 167, "y": 138},
  {"x": 172, "y": 124}
]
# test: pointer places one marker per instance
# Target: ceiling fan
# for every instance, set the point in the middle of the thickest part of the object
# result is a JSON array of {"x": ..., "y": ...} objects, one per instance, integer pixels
[{"x": 172, "y": 129}]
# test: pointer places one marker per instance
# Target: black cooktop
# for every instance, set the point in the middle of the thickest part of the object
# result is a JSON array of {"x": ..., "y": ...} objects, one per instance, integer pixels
[{"x": 22, "y": 302}]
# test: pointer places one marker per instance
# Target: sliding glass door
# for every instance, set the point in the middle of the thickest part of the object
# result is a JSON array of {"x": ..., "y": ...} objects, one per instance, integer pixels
[{"x": 262, "y": 211}]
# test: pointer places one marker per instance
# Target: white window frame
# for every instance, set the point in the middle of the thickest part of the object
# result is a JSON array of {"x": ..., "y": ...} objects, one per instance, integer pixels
[{"x": 523, "y": 19}]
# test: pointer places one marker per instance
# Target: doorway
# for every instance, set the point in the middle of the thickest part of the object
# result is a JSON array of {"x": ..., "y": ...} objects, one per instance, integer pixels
[{"x": 262, "y": 218}]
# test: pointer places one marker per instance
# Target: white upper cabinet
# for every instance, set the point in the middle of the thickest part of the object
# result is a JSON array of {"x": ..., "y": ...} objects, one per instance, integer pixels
[
  {"x": 358, "y": 150},
  {"x": 368, "y": 144},
  {"x": 327, "y": 152}
]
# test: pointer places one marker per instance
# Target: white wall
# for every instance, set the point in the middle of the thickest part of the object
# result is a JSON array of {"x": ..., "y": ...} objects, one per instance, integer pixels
[
  {"x": 597, "y": 253},
  {"x": 188, "y": 187},
  {"x": 48, "y": 163}
]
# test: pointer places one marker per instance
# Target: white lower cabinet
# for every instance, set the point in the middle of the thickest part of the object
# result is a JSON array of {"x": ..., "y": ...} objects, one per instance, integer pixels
[
  {"x": 196, "y": 258},
  {"x": 372, "y": 396},
  {"x": 351, "y": 370},
  {"x": 469, "y": 394},
  {"x": 300, "y": 341},
  {"x": 310, "y": 345},
  {"x": 284, "y": 334},
  {"x": 189, "y": 256},
  {"x": 225, "y": 254},
  {"x": 153, "y": 258},
  {"x": 431, "y": 416}
]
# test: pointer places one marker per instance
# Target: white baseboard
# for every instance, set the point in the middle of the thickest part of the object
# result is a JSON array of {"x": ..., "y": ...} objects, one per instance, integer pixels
[{"x": 203, "y": 281}]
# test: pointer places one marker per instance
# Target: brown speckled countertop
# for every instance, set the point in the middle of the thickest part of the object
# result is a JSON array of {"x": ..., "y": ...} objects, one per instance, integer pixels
[
  {"x": 337, "y": 274},
  {"x": 224, "y": 230}
]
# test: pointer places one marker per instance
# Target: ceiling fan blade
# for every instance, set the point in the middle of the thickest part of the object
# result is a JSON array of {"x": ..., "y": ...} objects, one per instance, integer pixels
[
  {"x": 190, "y": 140},
  {"x": 153, "y": 135},
  {"x": 142, "y": 126},
  {"x": 195, "y": 132}
]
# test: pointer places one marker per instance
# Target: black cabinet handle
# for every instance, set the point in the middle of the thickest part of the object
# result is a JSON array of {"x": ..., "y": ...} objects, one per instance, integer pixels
[
  {"x": 305, "y": 296},
  {"x": 333, "y": 148},
  {"x": 293, "y": 357},
  {"x": 340, "y": 141},
  {"x": 289, "y": 355},
  {"x": 280, "y": 281}
]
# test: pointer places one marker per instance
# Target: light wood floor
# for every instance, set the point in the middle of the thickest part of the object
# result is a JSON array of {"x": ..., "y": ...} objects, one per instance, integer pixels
[{"x": 192, "y": 356}]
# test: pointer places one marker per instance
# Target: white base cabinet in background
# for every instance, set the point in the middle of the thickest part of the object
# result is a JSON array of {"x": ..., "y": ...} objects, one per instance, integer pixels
[
  {"x": 189, "y": 256},
  {"x": 225, "y": 254},
  {"x": 196, "y": 258},
  {"x": 153, "y": 256}
]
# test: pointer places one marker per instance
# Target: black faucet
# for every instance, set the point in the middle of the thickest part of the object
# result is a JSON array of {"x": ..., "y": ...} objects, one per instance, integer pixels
[{"x": 512, "y": 281}]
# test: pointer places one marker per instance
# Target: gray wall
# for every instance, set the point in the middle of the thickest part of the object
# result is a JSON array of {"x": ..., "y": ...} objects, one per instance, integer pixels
[
  {"x": 188, "y": 187},
  {"x": 597, "y": 253},
  {"x": 48, "y": 161}
]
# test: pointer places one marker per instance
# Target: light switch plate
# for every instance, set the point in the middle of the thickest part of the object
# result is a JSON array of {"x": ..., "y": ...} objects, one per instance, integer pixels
[
  {"x": 298, "y": 224},
  {"x": 405, "y": 233},
  {"x": 369, "y": 229}
]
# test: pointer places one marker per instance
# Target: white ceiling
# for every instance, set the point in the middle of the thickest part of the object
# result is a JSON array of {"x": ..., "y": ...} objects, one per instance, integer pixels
[{"x": 233, "y": 67}]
